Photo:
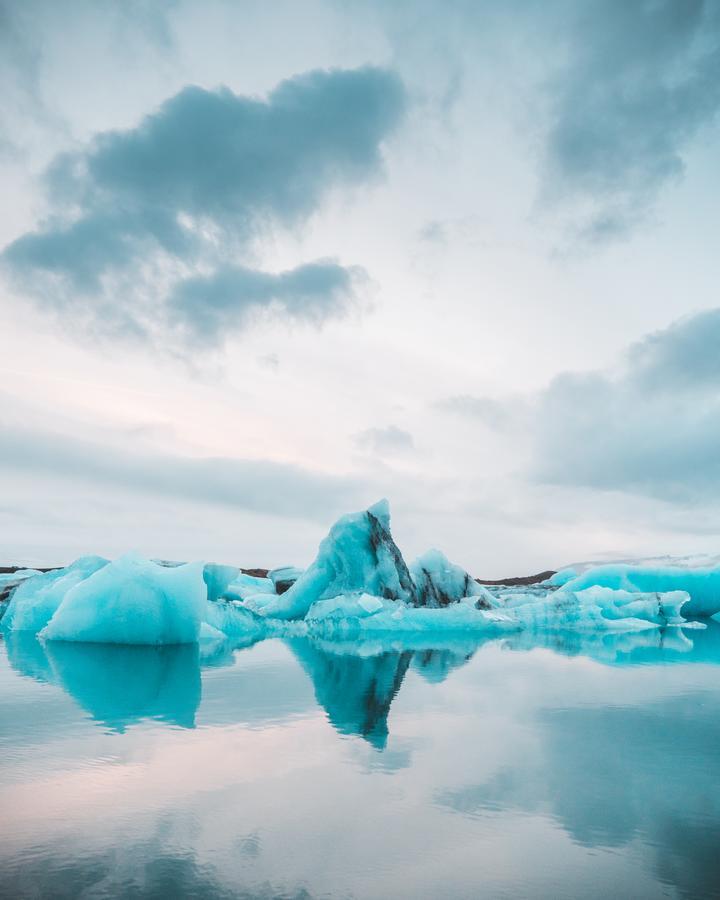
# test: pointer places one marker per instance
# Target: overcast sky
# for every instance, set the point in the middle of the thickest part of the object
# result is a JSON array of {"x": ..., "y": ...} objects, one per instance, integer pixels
[{"x": 263, "y": 264}]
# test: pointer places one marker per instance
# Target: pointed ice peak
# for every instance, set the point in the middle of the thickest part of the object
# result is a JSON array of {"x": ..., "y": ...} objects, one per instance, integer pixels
[
  {"x": 358, "y": 556},
  {"x": 381, "y": 511}
]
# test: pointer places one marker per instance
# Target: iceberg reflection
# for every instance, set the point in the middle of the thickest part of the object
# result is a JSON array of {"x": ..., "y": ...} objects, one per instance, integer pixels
[
  {"x": 650, "y": 647},
  {"x": 118, "y": 685},
  {"x": 355, "y": 682},
  {"x": 355, "y": 691}
]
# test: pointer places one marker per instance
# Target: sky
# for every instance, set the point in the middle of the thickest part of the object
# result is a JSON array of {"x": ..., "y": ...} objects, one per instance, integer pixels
[{"x": 264, "y": 264}]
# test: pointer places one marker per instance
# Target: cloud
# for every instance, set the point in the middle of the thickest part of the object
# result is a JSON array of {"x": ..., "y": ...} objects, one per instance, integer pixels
[
  {"x": 384, "y": 441},
  {"x": 640, "y": 81},
  {"x": 147, "y": 224},
  {"x": 260, "y": 486},
  {"x": 651, "y": 426},
  {"x": 206, "y": 306}
]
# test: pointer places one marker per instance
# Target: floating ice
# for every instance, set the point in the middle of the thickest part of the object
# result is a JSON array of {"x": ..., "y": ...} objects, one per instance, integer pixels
[
  {"x": 560, "y": 578},
  {"x": 36, "y": 599},
  {"x": 133, "y": 601},
  {"x": 351, "y": 616},
  {"x": 284, "y": 578},
  {"x": 702, "y": 584},
  {"x": 243, "y": 586},
  {"x": 358, "y": 555},
  {"x": 596, "y": 608},
  {"x": 439, "y": 582},
  {"x": 234, "y": 621},
  {"x": 17, "y": 576},
  {"x": 358, "y": 588},
  {"x": 217, "y": 578}
]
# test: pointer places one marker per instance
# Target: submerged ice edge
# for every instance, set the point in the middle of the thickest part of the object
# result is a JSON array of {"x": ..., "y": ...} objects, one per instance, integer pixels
[{"x": 359, "y": 584}]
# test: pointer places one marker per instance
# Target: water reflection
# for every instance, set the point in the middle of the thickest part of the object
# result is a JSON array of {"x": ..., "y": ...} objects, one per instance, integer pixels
[
  {"x": 117, "y": 685},
  {"x": 467, "y": 768},
  {"x": 355, "y": 691},
  {"x": 611, "y": 775},
  {"x": 354, "y": 682},
  {"x": 652, "y": 646}
]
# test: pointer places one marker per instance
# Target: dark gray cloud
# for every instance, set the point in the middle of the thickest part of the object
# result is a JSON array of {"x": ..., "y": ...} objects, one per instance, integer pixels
[
  {"x": 257, "y": 485},
  {"x": 188, "y": 189},
  {"x": 651, "y": 426},
  {"x": 205, "y": 306},
  {"x": 639, "y": 81},
  {"x": 382, "y": 441}
]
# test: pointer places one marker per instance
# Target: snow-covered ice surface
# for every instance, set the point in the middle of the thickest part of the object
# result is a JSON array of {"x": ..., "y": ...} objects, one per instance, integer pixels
[{"x": 358, "y": 586}]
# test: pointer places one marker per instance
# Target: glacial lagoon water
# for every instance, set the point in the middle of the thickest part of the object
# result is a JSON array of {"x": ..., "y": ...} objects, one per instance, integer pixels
[{"x": 546, "y": 766}]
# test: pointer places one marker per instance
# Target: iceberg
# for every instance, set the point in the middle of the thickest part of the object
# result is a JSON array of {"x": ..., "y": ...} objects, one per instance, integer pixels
[
  {"x": 133, "y": 601},
  {"x": 234, "y": 621},
  {"x": 358, "y": 556},
  {"x": 701, "y": 584},
  {"x": 597, "y": 608},
  {"x": 243, "y": 586},
  {"x": 358, "y": 588},
  {"x": 561, "y": 578},
  {"x": 217, "y": 578},
  {"x": 353, "y": 616},
  {"x": 37, "y": 598},
  {"x": 284, "y": 577},
  {"x": 440, "y": 582}
]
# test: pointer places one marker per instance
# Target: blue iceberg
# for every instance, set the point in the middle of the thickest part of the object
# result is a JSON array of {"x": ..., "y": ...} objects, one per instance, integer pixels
[
  {"x": 358, "y": 588},
  {"x": 35, "y": 601},
  {"x": 133, "y": 601},
  {"x": 701, "y": 584},
  {"x": 440, "y": 582},
  {"x": 358, "y": 556}
]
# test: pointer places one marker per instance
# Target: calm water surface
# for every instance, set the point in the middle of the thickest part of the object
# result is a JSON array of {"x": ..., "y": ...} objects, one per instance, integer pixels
[{"x": 535, "y": 767}]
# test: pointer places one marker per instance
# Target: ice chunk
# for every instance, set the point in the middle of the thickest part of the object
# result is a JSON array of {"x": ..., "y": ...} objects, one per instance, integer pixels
[
  {"x": 560, "y": 578},
  {"x": 439, "y": 582},
  {"x": 9, "y": 581},
  {"x": 133, "y": 601},
  {"x": 18, "y": 575},
  {"x": 702, "y": 584},
  {"x": 597, "y": 608},
  {"x": 358, "y": 555},
  {"x": 243, "y": 586},
  {"x": 234, "y": 620},
  {"x": 350, "y": 616},
  {"x": 217, "y": 578},
  {"x": 284, "y": 578},
  {"x": 36, "y": 599}
]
